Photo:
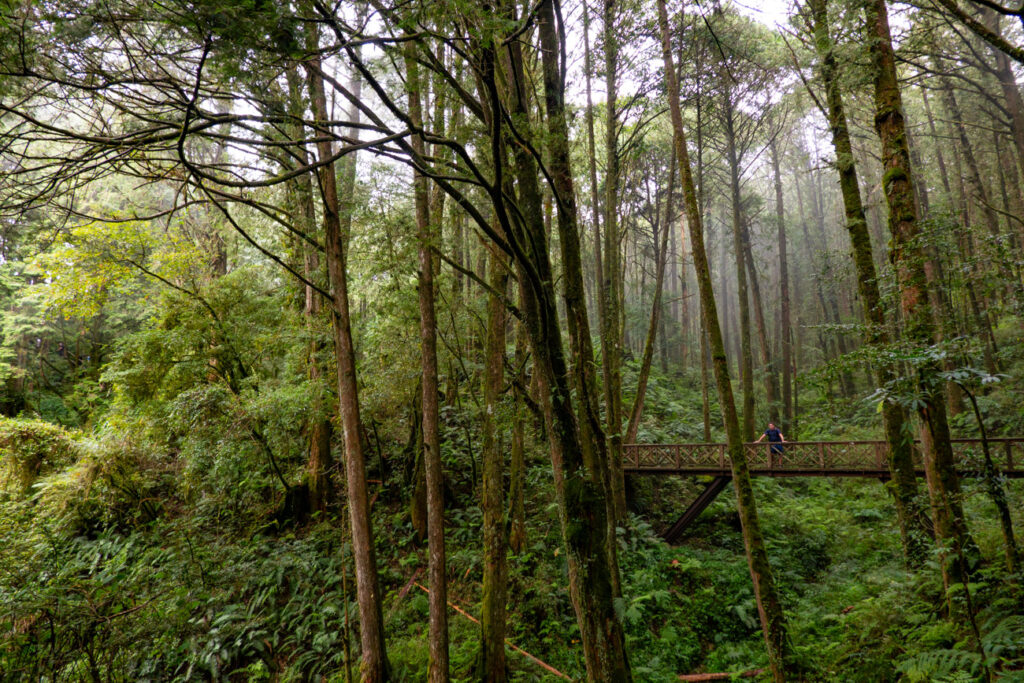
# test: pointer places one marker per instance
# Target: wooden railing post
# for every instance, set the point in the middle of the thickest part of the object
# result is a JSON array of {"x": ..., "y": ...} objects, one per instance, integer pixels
[
  {"x": 821, "y": 453},
  {"x": 721, "y": 456},
  {"x": 678, "y": 453},
  {"x": 1009, "y": 454}
]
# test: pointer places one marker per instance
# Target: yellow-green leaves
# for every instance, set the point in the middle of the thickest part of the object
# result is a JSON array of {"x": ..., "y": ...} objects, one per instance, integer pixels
[{"x": 103, "y": 261}]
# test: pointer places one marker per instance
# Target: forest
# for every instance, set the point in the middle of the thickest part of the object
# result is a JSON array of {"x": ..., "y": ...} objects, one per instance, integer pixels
[{"x": 334, "y": 337}]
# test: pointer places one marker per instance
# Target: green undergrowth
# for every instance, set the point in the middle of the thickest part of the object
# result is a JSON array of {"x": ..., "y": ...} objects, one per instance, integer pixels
[{"x": 152, "y": 547}]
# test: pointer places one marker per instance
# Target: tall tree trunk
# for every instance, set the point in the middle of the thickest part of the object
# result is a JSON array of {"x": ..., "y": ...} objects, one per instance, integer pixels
[
  {"x": 965, "y": 245},
  {"x": 611, "y": 326},
  {"x": 977, "y": 188},
  {"x": 595, "y": 201},
  {"x": 913, "y": 523},
  {"x": 580, "y": 469},
  {"x": 319, "y": 429},
  {"x": 374, "y": 664},
  {"x": 945, "y": 325},
  {"x": 912, "y": 278},
  {"x": 771, "y": 379},
  {"x": 773, "y": 621},
  {"x": 600, "y": 456},
  {"x": 1011, "y": 92},
  {"x": 493, "y": 667},
  {"x": 746, "y": 352},
  {"x": 661, "y": 257},
  {"x": 517, "y": 464},
  {"x": 437, "y": 671},
  {"x": 784, "y": 301}
]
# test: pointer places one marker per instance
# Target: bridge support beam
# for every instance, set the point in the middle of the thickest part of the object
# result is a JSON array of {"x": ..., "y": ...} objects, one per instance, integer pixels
[{"x": 706, "y": 497}]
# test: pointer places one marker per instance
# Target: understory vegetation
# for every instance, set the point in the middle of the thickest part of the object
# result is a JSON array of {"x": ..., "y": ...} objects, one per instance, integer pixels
[{"x": 151, "y": 545}]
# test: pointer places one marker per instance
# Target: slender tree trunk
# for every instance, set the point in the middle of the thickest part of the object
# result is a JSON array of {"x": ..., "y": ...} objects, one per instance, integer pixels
[
  {"x": 1011, "y": 92},
  {"x": 784, "y": 301},
  {"x": 897, "y": 182},
  {"x": 374, "y": 666},
  {"x": 981, "y": 196},
  {"x": 319, "y": 460},
  {"x": 965, "y": 245},
  {"x": 773, "y": 622},
  {"x": 611, "y": 326},
  {"x": 595, "y": 201},
  {"x": 940, "y": 300},
  {"x": 517, "y": 465},
  {"x": 771, "y": 379},
  {"x": 746, "y": 352},
  {"x": 903, "y": 484},
  {"x": 493, "y": 667},
  {"x": 661, "y": 256},
  {"x": 581, "y": 473},
  {"x": 438, "y": 667}
]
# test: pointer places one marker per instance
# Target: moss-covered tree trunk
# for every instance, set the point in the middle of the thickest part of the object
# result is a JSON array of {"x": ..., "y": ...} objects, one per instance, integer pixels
[
  {"x": 611, "y": 325},
  {"x": 493, "y": 666},
  {"x": 773, "y": 621},
  {"x": 914, "y": 528},
  {"x": 580, "y": 482},
  {"x": 908, "y": 261}
]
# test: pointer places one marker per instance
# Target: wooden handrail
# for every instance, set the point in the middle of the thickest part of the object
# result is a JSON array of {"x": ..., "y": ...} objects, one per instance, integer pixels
[{"x": 799, "y": 458}]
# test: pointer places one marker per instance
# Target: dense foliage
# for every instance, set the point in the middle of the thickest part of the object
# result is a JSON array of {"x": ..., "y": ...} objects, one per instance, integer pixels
[{"x": 320, "y": 317}]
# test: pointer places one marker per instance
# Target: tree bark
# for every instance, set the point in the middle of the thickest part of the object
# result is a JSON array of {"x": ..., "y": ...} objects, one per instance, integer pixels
[
  {"x": 493, "y": 667},
  {"x": 611, "y": 325},
  {"x": 580, "y": 480}
]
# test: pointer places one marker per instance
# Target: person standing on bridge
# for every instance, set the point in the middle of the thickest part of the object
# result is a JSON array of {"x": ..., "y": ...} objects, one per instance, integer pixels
[{"x": 775, "y": 438}]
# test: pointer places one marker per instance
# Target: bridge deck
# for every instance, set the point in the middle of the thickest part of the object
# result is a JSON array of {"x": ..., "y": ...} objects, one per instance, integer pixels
[{"x": 811, "y": 458}]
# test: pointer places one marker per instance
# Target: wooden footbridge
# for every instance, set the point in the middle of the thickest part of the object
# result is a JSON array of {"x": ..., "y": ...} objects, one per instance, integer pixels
[{"x": 800, "y": 459}]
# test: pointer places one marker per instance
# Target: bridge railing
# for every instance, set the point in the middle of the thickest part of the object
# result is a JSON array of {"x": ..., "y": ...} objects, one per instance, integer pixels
[{"x": 808, "y": 457}]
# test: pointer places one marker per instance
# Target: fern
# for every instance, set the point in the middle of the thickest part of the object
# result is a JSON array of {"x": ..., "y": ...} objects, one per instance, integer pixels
[{"x": 940, "y": 665}]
